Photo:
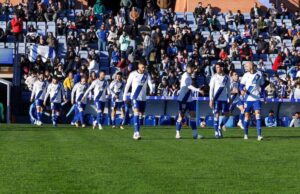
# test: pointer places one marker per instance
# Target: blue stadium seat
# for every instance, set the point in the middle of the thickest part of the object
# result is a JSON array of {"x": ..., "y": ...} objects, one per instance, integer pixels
[
  {"x": 150, "y": 120},
  {"x": 209, "y": 120},
  {"x": 285, "y": 121},
  {"x": 165, "y": 120}
]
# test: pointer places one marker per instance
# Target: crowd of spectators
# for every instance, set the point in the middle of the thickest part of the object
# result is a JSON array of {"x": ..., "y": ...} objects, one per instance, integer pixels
[{"x": 166, "y": 39}]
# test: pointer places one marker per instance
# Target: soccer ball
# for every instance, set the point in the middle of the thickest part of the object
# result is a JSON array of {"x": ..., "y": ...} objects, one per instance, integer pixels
[
  {"x": 39, "y": 123},
  {"x": 202, "y": 124}
]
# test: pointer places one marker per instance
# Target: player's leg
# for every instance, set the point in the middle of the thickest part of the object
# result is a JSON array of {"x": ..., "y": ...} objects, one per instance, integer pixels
[
  {"x": 53, "y": 114},
  {"x": 248, "y": 107},
  {"x": 75, "y": 117},
  {"x": 136, "y": 120},
  {"x": 257, "y": 108},
  {"x": 100, "y": 108},
  {"x": 179, "y": 120},
  {"x": 39, "y": 111},
  {"x": 81, "y": 107},
  {"x": 113, "y": 113},
  {"x": 241, "y": 116},
  {"x": 217, "y": 108},
  {"x": 225, "y": 111},
  {"x": 122, "y": 109}
]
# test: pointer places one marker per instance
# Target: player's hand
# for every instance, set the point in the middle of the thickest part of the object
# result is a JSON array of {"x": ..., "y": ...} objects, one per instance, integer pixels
[
  {"x": 72, "y": 101},
  {"x": 66, "y": 100},
  {"x": 31, "y": 99},
  {"x": 83, "y": 99},
  {"x": 211, "y": 104},
  {"x": 44, "y": 103}
]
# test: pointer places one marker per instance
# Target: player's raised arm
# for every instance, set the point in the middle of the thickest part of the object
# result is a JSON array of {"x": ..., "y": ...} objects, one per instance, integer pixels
[
  {"x": 128, "y": 85},
  {"x": 73, "y": 93},
  {"x": 33, "y": 93},
  {"x": 211, "y": 91},
  {"x": 228, "y": 83},
  {"x": 90, "y": 88},
  {"x": 47, "y": 95}
]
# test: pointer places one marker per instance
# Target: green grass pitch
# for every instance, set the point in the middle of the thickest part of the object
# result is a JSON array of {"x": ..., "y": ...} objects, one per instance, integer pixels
[{"x": 70, "y": 160}]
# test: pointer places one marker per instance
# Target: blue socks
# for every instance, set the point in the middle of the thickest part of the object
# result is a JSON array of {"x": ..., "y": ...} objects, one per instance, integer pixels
[
  {"x": 258, "y": 125},
  {"x": 81, "y": 117},
  {"x": 246, "y": 126},
  {"x": 99, "y": 117},
  {"x": 178, "y": 125},
  {"x": 216, "y": 125},
  {"x": 241, "y": 117},
  {"x": 39, "y": 116},
  {"x": 136, "y": 121}
]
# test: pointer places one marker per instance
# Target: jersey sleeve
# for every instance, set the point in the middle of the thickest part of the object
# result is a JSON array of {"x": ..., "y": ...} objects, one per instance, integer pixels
[
  {"x": 212, "y": 88},
  {"x": 74, "y": 92},
  {"x": 128, "y": 85},
  {"x": 33, "y": 91},
  {"x": 90, "y": 88},
  {"x": 47, "y": 92}
]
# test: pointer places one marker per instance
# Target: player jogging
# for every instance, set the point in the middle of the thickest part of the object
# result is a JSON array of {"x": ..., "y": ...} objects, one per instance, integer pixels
[
  {"x": 236, "y": 98},
  {"x": 56, "y": 92},
  {"x": 99, "y": 88},
  {"x": 37, "y": 95},
  {"x": 116, "y": 90},
  {"x": 138, "y": 81},
  {"x": 252, "y": 87},
  {"x": 76, "y": 97},
  {"x": 219, "y": 95},
  {"x": 186, "y": 102}
]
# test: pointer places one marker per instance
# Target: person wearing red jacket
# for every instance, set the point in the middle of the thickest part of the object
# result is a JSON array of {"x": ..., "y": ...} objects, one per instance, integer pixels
[
  {"x": 17, "y": 27},
  {"x": 278, "y": 63}
]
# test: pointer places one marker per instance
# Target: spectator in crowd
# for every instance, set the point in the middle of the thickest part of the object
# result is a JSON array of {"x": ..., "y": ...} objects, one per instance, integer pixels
[
  {"x": 17, "y": 27},
  {"x": 255, "y": 11},
  {"x": 99, "y": 8},
  {"x": 296, "y": 120},
  {"x": 271, "y": 121},
  {"x": 93, "y": 66},
  {"x": 30, "y": 80},
  {"x": 51, "y": 11},
  {"x": 239, "y": 18},
  {"x": 102, "y": 35},
  {"x": 295, "y": 94}
]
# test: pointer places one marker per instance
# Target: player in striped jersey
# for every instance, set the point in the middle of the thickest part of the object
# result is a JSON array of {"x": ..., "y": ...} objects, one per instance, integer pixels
[
  {"x": 116, "y": 90},
  {"x": 252, "y": 88},
  {"x": 219, "y": 96},
  {"x": 56, "y": 92},
  {"x": 99, "y": 88},
  {"x": 186, "y": 102},
  {"x": 37, "y": 95},
  {"x": 76, "y": 97},
  {"x": 236, "y": 98},
  {"x": 138, "y": 81}
]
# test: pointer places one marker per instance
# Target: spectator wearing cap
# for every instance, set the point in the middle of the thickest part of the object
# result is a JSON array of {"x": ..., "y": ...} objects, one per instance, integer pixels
[{"x": 270, "y": 121}]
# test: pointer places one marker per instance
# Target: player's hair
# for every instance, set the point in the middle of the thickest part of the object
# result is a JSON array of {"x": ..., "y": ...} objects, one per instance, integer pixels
[
  {"x": 142, "y": 61},
  {"x": 232, "y": 72},
  {"x": 119, "y": 73},
  {"x": 102, "y": 71},
  {"x": 54, "y": 77}
]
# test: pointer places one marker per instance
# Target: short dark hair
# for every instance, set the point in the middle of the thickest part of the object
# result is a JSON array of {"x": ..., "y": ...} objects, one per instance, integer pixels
[
  {"x": 142, "y": 61},
  {"x": 119, "y": 73}
]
